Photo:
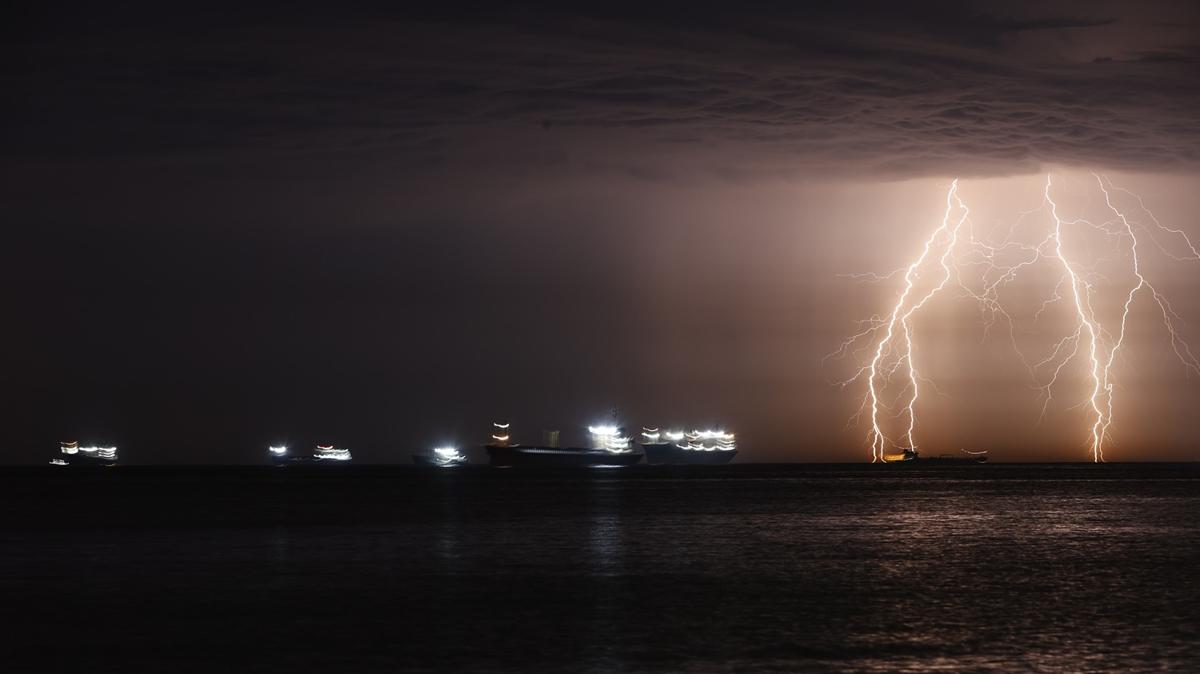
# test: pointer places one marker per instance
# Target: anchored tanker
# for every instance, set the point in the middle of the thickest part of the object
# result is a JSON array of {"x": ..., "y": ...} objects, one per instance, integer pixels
[
  {"x": 912, "y": 457},
  {"x": 610, "y": 448},
  {"x": 73, "y": 455},
  {"x": 695, "y": 447}
]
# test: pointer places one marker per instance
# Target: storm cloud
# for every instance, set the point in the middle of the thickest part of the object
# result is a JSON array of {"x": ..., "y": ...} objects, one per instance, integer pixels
[{"x": 679, "y": 89}]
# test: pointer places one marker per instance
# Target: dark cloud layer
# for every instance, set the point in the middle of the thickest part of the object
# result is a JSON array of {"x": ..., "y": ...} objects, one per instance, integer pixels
[{"x": 884, "y": 88}]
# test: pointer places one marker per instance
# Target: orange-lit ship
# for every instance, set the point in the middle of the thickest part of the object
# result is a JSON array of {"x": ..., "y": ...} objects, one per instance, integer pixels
[{"x": 912, "y": 456}]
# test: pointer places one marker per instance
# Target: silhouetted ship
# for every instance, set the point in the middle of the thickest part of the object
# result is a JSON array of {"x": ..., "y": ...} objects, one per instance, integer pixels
[
  {"x": 610, "y": 449},
  {"x": 913, "y": 457},
  {"x": 322, "y": 454},
  {"x": 279, "y": 455},
  {"x": 442, "y": 457},
  {"x": 71, "y": 454},
  {"x": 711, "y": 447}
]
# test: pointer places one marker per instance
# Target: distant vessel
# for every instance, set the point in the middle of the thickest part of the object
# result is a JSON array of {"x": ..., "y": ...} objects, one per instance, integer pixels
[
  {"x": 330, "y": 453},
  {"x": 74, "y": 455},
  {"x": 443, "y": 457},
  {"x": 912, "y": 456},
  {"x": 279, "y": 454},
  {"x": 709, "y": 447},
  {"x": 610, "y": 449}
]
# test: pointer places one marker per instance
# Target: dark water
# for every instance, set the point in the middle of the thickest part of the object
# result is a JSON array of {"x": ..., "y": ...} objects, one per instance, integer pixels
[{"x": 855, "y": 568}]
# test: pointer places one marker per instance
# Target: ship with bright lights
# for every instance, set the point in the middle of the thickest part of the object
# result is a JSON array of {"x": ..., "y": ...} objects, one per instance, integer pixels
[
  {"x": 71, "y": 454},
  {"x": 441, "y": 457},
  {"x": 279, "y": 455},
  {"x": 610, "y": 448},
  {"x": 708, "y": 447},
  {"x": 331, "y": 454},
  {"x": 912, "y": 457}
]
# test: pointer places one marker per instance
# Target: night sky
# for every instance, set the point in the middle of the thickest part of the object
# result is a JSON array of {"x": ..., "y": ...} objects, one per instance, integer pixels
[{"x": 384, "y": 228}]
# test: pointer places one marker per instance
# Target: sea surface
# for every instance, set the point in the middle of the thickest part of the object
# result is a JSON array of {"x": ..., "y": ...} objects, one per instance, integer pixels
[{"x": 858, "y": 568}]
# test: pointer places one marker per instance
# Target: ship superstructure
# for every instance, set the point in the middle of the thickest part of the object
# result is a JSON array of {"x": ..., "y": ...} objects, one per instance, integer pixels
[
  {"x": 609, "y": 447},
  {"x": 331, "y": 453},
  {"x": 70, "y": 453},
  {"x": 713, "y": 446},
  {"x": 442, "y": 457}
]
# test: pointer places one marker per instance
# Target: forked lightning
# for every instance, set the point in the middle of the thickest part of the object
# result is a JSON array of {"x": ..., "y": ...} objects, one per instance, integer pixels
[{"x": 953, "y": 246}]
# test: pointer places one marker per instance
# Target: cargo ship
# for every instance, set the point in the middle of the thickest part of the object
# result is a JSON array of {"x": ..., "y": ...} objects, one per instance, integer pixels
[
  {"x": 711, "y": 447},
  {"x": 610, "y": 449},
  {"x": 442, "y": 457},
  {"x": 913, "y": 457},
  {"x": 71, "y": 454}
]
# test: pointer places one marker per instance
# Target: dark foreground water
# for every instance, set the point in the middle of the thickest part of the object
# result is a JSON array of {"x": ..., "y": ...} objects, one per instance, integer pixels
[{"x": 857, "y": 568}]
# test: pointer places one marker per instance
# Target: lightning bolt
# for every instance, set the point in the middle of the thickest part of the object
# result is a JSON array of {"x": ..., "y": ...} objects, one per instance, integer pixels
[
  {"x": 878, "y": 372},
  {"x": 1181, "y": 348},
  {"x": 1081, "y": 294},
  {"x": 948, "y": 256}
]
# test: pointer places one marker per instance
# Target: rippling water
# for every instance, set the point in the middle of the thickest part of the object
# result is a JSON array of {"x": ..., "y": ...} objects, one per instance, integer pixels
[{"x": 855, "y": 568}]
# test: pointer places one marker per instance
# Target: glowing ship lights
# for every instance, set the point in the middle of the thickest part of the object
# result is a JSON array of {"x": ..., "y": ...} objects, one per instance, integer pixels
[
  {"x": 73, "y": 448},
  {"x": 954, "y": 256},
  {"x": 610, "y": 438},
  {"x": 500, "y": 433},
  {"x": 696, "y": 447},
  {"x": 330, "y": 453},
  {"x": 709, "y": 441},
  {"x": 448, "y": 456},
  {"x": 71, "y": 452},
  {"x": 694, "y": 441}
]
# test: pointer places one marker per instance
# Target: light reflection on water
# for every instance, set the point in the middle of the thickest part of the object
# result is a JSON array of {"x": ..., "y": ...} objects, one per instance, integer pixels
[{"x": 727, "y": 569}]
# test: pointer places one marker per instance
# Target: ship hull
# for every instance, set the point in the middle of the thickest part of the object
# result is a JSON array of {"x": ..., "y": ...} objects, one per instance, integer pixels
[
  {"x": 947, "y": 462},
  {"x": 558, "y": 457},
  {"x": 426, "y": 460},
  {"x": 940, "y": 461},
  {"x": 672, "y": 454},
  {"x": 78, "y": 460},
  {"x": 308, "y": 461}
]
